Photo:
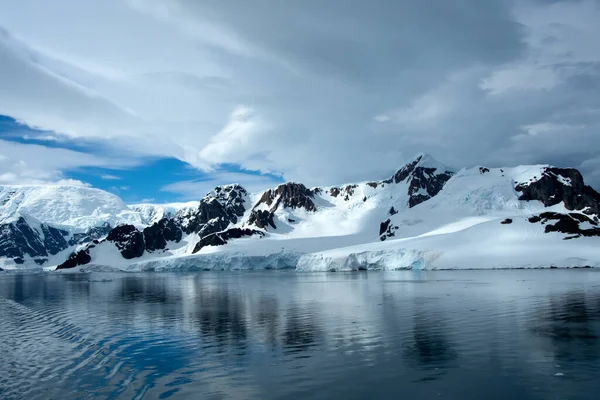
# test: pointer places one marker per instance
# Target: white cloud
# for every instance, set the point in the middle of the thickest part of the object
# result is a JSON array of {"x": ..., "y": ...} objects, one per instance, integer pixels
[
  {"x": 34, "y": 164},
  {"x": 108, "y": 177},
  {"x": 315, "y": 93},
  {"x": 562, "y": 42},
  {"x": 196, "y": 189}
]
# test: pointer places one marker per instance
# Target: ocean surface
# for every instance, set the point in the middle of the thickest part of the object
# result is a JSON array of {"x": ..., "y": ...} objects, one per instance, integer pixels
[{"x": 285, "y": 335}]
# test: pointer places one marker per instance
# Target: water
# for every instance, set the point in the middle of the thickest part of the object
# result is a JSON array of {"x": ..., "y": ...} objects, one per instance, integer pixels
[{"x": 285, "y": 335}]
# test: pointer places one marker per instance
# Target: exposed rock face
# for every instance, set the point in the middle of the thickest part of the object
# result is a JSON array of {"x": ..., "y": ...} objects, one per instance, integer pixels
[
  {"x": 289, "y": 195},
  {"x": 92, "y": 234},
  {"x": 219, "y": 208},
  {"x": 558, "y": 185},
  {"x": 568, "y": 223},
  {"x": 507, "y": 221},
  {"x": 386, "y": 230},
  {"x": 262, "y": 219},
  {"x": 19, "y": 239},
  {"x": 424, "y": 182},
  {"x": 128, "y": 240},
  {"x": 347, "y": 191},
  {"x": 161, "y": 232},
  {"x": 221, "y": 238},
  {"x": 75, "y": 259}
]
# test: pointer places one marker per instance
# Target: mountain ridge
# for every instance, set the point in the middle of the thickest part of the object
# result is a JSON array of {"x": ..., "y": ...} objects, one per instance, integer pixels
[{"x": 291, "y": 225}]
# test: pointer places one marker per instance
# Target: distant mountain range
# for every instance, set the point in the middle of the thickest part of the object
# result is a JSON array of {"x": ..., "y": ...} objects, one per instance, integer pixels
[{"x": 426, "y": 216}]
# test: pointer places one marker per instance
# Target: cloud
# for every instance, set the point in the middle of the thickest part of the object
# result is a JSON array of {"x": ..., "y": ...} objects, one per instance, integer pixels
[
  {"x": 34, "y": 164},
  {"x": 196, "y": 189},
  {"x": 108, "y": 177},
  {"x": 313, "y": 91}
]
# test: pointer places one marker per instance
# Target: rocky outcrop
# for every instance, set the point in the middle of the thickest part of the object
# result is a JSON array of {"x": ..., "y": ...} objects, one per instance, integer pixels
[
  {"x": 387, "y": 230},
  {"x": 424, "y": 181},
  {"x": 158, "y": 234},
  {"x": 20, "y": 239},
  {"x": 288, "y": 195},
  {"x": 221, "y": 238},
  {"x": 128, "y": 240},
  {"x": 219, "y": 208},
  {"x": 90, "y": 235},
  {"x": 570, "y": 224},
  {"x": 561, "y": 185},
  {"x": 82, "y": 257},
  {"x": 262, "y": 219},
  {"x": 346, "y": 191}
]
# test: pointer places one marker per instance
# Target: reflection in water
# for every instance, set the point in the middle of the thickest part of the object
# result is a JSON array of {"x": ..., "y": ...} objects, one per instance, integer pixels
[
  {"x": 284, "y": 335},
  {"x": 219, "y": 315},
  {"x": 301, "y": 332},
  {"x": 572, "y": 323},
  {"x": 429, "y": 347}
]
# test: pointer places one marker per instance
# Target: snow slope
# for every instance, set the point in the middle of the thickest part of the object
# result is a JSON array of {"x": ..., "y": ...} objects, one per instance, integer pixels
[
  {"x": 424, "y": 217},
  {"x": 151, "y": 213},
  {"x": 463, "y": 227},
  {"x": 75, "y": 207}
]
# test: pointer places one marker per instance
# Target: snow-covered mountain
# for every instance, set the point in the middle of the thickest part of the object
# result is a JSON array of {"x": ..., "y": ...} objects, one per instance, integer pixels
[
  {"x": 43, "y": 224},
  {"x": 424, "y": 216}
]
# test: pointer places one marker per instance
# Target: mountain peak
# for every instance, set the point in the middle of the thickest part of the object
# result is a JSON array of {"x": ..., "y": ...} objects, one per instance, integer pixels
[{"x": 426, "y": 160}]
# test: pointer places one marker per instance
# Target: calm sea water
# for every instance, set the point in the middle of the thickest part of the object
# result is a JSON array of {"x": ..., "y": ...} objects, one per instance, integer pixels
[{"x": 286, "y": 335}]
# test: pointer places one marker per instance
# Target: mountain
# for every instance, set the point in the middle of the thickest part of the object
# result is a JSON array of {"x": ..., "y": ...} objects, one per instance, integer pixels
[
  {"x": 74, "y": 207},
  {"x": 40, "y": 223},
  {"x": 425, "y": 216}
]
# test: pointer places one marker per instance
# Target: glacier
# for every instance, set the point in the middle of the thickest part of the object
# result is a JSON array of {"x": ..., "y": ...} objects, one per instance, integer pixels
[{"x": 426, "y": 216}]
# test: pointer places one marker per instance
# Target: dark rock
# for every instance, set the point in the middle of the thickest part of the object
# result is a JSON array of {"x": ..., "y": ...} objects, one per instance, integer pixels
[
  {"x": 54, "y": 239},
  {"x": 128, "y": 240},
  {"x": 291, "y": 221},
  {"x": 372, "y": 184},
  {"x": 75, "y": 259},
  {"x": 288, "y": 195},
  {"x": 424, "y": 182},
  {"x": 393, "y": 211},
  {"x": 90, "y": 235},
  {"x": 483, "y": 170},
  {"x": 221, "y": 238},
  {"x": 224, "y": 205},
  {"x": 386, "y": 229},
  {"x": 262, "y": 219},
  {"x": 19, "y": 239},
  {"x": 383, "y": 227},
  {"x": 334, "y": 192},
  {"x": 564, "y": 185},
  {"x": 507, "y": 221},
  {"x": 567, "y": 223},
  {"x": 158, "y": 234}
]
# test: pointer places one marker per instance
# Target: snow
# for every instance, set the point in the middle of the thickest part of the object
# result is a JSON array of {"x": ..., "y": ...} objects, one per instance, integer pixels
[
  {"x": 68, "y": 207},
  {"x": 459, "y": 228},
  {"x": 151, "y": 213}
]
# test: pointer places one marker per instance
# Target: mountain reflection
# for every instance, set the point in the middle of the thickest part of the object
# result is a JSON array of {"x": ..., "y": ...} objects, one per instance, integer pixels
[
  {"x": 219, "y": 314},
  {"x": 301, "y": 333},
  {"x": 429, "y": 347},
  {"x": 571, "y": 322}
]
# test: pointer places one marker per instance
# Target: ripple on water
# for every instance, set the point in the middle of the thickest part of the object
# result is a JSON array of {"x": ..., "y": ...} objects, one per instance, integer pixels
[{"x": 281, "y": 336}]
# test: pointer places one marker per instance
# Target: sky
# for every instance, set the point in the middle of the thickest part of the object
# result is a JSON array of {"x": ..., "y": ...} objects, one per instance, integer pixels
[{"x": 161, "y": 100}]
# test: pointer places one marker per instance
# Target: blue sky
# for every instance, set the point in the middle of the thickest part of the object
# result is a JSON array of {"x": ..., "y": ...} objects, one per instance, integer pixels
[
  {"x": 177, "y": 96},
  {"x": 152, "y": 179}
]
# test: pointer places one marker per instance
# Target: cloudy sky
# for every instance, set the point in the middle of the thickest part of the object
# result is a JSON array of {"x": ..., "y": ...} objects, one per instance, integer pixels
[{"x": 162, "y": 99}]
